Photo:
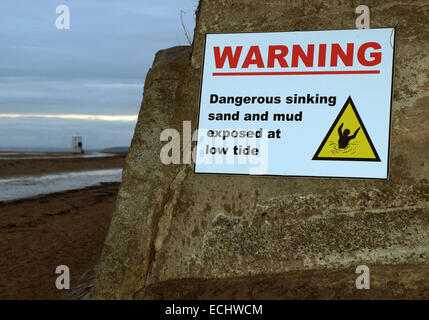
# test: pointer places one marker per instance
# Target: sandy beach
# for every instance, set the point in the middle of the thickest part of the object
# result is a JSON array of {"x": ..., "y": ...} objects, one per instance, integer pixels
[
  {"x": 11, "y": 165},
  {"x": 37, "y": 234}
]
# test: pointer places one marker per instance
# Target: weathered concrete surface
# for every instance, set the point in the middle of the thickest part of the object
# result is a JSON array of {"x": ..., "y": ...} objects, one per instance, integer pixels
[{"x": 180, "y": 235}]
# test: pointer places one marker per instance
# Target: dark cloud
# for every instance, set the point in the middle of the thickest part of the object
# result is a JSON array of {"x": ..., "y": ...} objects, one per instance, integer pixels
[{"x": 96, "y": 67}]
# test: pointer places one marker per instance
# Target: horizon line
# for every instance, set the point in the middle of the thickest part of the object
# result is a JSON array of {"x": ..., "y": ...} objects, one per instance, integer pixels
[{"x": 72, "y": 116}]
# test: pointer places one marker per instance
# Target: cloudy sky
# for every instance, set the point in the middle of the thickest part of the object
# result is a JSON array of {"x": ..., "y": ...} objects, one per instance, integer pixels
[{"x": 86, "y": 80}]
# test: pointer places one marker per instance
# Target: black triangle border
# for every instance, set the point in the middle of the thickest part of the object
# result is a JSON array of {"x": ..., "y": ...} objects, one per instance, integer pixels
[{"x": 316, "y": 157}]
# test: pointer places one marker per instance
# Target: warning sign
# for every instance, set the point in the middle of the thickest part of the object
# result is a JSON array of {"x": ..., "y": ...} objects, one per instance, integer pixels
[
  {"x": 347, "y": 139},
  {"x": 301, "y": 104}
]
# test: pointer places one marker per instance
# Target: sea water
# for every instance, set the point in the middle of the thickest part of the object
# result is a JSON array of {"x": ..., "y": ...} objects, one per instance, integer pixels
[
  {"x": 45, "y": 155},
  {"x": 29, "y": 186}
]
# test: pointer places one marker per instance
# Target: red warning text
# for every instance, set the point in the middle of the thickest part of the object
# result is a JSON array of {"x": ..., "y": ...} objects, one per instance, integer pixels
[{"x": 318, "y": 56}]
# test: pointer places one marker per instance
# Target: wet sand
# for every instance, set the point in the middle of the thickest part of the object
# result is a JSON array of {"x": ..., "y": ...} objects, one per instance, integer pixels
[
  {"x": 21, "y": 167},
  {"x": 40, "y": 233}
]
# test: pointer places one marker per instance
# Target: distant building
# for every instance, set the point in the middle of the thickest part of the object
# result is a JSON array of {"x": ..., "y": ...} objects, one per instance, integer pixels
[{"x": 77, "y": 145}]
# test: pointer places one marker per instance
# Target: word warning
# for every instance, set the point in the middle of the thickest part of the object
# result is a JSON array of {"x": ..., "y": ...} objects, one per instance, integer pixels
[{"x": 305, "y": 104}]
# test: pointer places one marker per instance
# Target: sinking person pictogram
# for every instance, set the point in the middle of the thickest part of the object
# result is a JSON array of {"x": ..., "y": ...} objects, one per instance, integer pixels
[{"x": 340, "y": 144}]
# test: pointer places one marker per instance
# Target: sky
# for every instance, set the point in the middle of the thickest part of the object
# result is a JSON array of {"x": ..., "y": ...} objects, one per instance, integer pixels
[{"x": 86, "y": 80}]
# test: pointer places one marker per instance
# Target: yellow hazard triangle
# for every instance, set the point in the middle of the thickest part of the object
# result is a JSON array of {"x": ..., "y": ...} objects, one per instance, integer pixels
[{"x": 347, "y": 139}]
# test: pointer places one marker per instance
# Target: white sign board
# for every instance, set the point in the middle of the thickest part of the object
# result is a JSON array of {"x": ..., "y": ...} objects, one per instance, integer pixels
[{"x": 311, "y": 103}]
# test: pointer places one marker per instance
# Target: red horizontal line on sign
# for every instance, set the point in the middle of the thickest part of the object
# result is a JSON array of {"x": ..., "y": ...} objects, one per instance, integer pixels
[{"x": 287, "y": 73}]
